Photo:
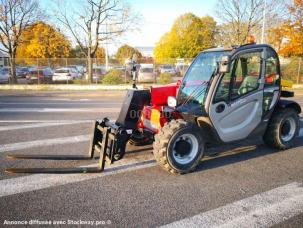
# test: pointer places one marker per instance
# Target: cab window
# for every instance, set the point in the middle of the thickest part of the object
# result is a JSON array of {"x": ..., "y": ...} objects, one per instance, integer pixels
[
  {"x": 272, "y": 79},
  {"x": 247, "y": 74},
  {"x": 222, "y": 93},
  {"x": 272, "y": 76},
  {"x": 242, "y": 79}
]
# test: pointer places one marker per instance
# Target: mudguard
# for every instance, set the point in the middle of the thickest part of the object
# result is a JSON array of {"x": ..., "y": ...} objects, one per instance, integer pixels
[{"x": 288, "y": 104}]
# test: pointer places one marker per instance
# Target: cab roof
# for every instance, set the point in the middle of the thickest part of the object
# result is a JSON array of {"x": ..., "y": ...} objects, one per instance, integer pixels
[
  {"x": 218, "y": 49},
  {"x": 239, "y": 47}
]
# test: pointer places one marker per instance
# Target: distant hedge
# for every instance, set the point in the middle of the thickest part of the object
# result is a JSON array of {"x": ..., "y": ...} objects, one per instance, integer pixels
[
  {"x": 113, "y": 77},
  {"x": 165, "y": 78}
]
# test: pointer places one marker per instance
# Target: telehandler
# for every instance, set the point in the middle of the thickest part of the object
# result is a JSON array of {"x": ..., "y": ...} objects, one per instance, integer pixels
[{"x": 226, "y": 95}]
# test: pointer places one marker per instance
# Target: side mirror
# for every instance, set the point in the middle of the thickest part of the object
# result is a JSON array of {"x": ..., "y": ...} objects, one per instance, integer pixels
[{"x": 224, "y": 64}]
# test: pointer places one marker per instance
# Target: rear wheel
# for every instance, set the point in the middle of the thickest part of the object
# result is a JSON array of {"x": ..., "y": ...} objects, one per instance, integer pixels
[
  {"x": 282, "y": 129},
  {"x": 179, "y": 147}
]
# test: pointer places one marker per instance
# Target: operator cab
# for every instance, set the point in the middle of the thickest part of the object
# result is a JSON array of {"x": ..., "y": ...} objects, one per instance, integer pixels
[
  {"x": 235, "y": 88},
  {"x": 193, "y": 89},
  {"x": 227, "y": 95}
]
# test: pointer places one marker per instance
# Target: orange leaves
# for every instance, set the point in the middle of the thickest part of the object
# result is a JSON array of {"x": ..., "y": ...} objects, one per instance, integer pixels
[
  {"x": 289, "y": 35},
  {"x": 41, "y": 40},
  {"x": 188, "y": 36},
  {"x": 100, "y": 53}
]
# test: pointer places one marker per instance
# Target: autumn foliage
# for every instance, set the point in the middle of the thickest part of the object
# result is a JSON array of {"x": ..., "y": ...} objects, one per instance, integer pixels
[
  {"x": 126, "y": 52},
  {"x": 188, "y": 36},
  {"x": 42, "y": 40},
  {"x": 288, "y": 38}
]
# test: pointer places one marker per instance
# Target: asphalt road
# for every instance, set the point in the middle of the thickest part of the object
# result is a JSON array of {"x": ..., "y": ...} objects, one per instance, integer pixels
[{"x": 244, "y": 184}]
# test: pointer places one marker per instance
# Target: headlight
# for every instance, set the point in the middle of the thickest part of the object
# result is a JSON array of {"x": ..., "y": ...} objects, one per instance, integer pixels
[{"x": 171, "y": 101}]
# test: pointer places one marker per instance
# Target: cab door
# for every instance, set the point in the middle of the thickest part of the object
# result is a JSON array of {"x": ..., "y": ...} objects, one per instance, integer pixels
[
  {"x": 236, "y": 107},
  {"x": 271, "y": 82}
]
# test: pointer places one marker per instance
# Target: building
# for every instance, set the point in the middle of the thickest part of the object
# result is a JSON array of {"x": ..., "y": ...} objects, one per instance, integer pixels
[
  {"x": 146, "y": 51},
  {"x": 4, "y": 60}
]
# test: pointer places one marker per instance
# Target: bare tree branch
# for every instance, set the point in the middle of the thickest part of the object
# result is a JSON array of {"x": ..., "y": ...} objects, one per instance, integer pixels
[
  {"x": 243, "y": 17},
  {"x": 15, "y": 15},
  {"x": 96, "y": 21}
]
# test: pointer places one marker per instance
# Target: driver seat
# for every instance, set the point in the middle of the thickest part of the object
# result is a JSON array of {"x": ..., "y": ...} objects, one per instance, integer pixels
[{"x": 249, "y": 84}]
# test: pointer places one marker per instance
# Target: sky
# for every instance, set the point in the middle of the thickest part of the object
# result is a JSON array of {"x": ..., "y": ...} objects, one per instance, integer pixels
[
  {"x": 157, "y": 18},
  {"x": 159, "y": 15}
]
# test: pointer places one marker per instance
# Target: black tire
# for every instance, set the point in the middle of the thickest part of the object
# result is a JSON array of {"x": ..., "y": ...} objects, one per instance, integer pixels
[
  {"x": 274, "y": 135},
  {"x": 165, "y": 143}
]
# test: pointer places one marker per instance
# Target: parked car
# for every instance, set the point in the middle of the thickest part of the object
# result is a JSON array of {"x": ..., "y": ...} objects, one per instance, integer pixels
[
  {"x": 122, "y": 68},
  {"x": 78, "y": 68},
  {"x": 4, "y": 75},
  {"x": 168, "y": 69},
  {"x": 98, "y": 73},
  {"x": 31, "y": 67},
  {"x": 181, "y": 69},
  {"x": 65, "y": 74},
  {"x": 21, "y": 72},
  {"x": 146, "y": 73},
  {"x": 39, "y": 75}
]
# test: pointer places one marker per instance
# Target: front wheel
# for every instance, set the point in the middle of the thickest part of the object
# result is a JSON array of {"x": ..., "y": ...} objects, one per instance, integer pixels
[
  {"x": 282, "y": 129},
  {"x": 179, "y": 147}
]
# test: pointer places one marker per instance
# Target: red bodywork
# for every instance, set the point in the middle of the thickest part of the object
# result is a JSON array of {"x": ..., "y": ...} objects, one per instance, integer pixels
[{"x": 152, "y": 117}]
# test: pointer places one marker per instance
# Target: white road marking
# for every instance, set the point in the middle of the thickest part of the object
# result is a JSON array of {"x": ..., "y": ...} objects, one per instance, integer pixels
[
  {"x": 68, "y": 99},
  {"x": 83, "y": 102},
  {"x": 49, "y": 110},
  {"x": 42, "y": 121},
  {"x": 261, "y": 210},
  {"x": 58, "y": 99},
  {"x": 38, "y": 125},
  {"x": 41, "y": 181},
  {"x": 44, "y": 142}
]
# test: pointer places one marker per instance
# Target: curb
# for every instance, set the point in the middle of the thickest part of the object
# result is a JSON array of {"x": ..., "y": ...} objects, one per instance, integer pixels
[
  {"x": 82, "y": 87},
  {"x": 297, "y": 86},
  {"x": 67, "y": 87}
]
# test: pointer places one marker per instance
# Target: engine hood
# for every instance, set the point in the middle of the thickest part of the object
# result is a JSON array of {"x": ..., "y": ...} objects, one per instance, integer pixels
[{"x": 159, "y": 94}]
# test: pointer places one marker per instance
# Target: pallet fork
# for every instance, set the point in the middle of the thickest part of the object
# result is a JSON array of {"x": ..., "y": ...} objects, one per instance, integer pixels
[{"x": 108, "y": 139}]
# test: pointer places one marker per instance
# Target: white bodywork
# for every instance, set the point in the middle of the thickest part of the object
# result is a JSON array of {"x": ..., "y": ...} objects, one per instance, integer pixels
[
  {"x": 239, "y": 118},
  {"x": 4, "y": 75},
  {"x": 65, "y": 74},
  {"x": 146, "y": 73},
  {"x": 168, "y": 69}
]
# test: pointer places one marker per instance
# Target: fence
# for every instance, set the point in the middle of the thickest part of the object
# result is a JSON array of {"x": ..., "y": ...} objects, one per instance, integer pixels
[
  {"x": 291, "y": 68},
  {"x": 148, "y": 71}
]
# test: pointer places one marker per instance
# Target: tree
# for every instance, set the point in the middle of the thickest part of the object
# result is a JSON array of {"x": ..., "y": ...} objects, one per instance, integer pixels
[
  {"x": 15, "y": 16},
  {"x": 292, "y": 31},
  {"x": 289, "y": 38},
  {"x": 41, "y": 40},
  {"x": 100, "y": 56},
  {"x": 276, "y": 37},
  {"x": 244, "y": 17},
  {"x": 76, "y": 52},
  {"x": 188, "y": 36},
  {"x": 125, "y": 52},
  {"x": 91, "y": 22},
  {"x": 100, "y": 53}
]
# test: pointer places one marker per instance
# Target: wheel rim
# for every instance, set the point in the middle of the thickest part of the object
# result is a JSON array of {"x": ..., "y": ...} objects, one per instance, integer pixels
[
  {"x": 185, "y": 149},
  {"x": 288, "y": 129}
]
